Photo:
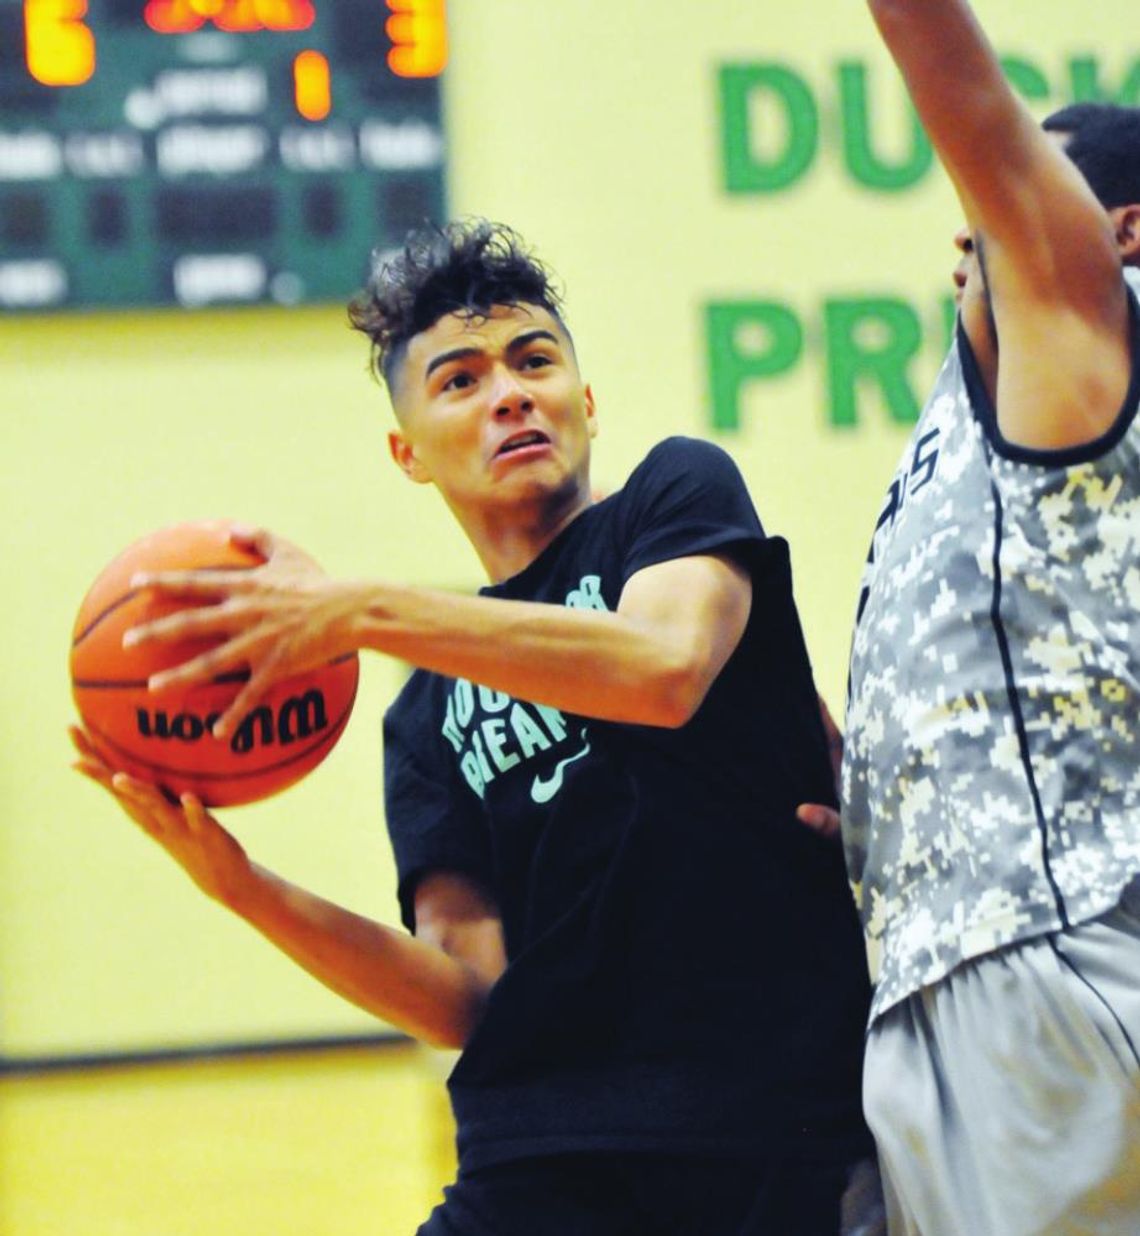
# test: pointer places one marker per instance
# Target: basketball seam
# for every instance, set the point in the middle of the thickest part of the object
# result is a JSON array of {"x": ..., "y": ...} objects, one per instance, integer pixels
[
  {"x": 125, "y": 684},
  {"x": 134, "y": 592},
  {"x": 116, "y": 684}
]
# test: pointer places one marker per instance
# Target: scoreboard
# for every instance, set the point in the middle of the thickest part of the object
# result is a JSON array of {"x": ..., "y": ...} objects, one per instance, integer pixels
[{"x": 206, "y": 152}]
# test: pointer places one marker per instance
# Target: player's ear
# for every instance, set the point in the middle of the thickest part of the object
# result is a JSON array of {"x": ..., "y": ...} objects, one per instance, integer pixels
[
  {"x": 405, "y": 458},
  {"x": 591, "y": 412},
  {"x": 1126, "y": 221}
]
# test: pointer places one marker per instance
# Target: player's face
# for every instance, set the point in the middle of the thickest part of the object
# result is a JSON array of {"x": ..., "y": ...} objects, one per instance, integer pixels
[
  {"x": 973, "y": 300},
  {"x": 967, "y": 275},
  {"x": 494, "y": 412}
]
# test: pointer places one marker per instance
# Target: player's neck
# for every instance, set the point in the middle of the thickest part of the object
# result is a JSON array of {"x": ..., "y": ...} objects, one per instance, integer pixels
[{"x": 508, "y": 540}]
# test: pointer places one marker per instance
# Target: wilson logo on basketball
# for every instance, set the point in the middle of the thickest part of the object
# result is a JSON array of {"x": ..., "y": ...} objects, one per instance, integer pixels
[{"x": 297, "y": 718}]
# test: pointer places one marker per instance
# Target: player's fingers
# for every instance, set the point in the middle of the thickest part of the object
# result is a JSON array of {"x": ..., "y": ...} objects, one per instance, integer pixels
[
  {"x": 231, "y": 656},
  {"x": 142, "y": 794},
  {"x": 94, "y": 771},
  {"x": 194, "y": 583},
  {"x": 198, "y": 622},
  {"x": 90, "y": 761},
  {"x": 130, "y": 787},
  {"x": 138, "y": 800},
  {"x": 194, "y": 812},
  {"x": 259, "y": 540},
  {"x": 823, "y": 820},
  {"x": 82, "y": 743},
  {"x": 281, "y": 556},
  {"x": 249, "y": 696}
]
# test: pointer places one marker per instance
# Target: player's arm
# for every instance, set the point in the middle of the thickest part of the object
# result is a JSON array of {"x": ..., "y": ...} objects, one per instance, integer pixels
[
  {"x": 1048, "y": 251},
  {"x": 431, "y": 985},
  {"x": 650, "y": 662}
]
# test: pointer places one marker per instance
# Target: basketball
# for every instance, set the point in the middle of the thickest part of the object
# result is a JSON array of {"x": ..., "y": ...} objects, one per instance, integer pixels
[{"x": 165, "y": 737}]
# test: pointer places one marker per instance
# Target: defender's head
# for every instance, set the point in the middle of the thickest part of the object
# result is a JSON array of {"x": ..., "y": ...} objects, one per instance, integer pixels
[{"x": 1103, "y": 140}]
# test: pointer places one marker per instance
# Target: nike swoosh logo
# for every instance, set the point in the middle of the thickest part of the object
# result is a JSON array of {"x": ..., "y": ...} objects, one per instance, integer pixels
[{"x": 543, "y": 789}]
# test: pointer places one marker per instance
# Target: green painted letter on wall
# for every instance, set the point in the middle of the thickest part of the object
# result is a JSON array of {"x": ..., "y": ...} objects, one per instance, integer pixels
[
  {"x": 752, "y": 165},
  {"x": 1026, "y": 78},
  {"x": 865, "y": 166},
  {"x": 747, "y": 340},
  {"x": 871, "y": 340},
  {"x": 1084, "y": 72}
]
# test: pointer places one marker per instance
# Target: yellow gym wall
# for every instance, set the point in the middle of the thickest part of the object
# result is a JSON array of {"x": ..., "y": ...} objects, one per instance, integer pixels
[{"x": 599, "y": 128}]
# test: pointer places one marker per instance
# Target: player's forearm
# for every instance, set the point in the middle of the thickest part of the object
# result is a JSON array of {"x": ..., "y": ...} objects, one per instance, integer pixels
[
  {"x": 411, "y": 984},
  {"x": 590, "y": 662},
  {"x": 956, "y": 82},
  {"x": 1005, "y": 169}
]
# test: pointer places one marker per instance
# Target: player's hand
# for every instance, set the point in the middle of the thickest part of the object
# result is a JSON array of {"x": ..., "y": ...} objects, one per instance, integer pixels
[
  {"x": 275, "y": 620},
  {"x": 820, "y": 819},
  {"x": 185, "y": 830}
]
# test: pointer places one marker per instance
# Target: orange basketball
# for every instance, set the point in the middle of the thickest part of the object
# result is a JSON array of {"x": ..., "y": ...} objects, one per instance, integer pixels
[{"x": 164, "y": 737}]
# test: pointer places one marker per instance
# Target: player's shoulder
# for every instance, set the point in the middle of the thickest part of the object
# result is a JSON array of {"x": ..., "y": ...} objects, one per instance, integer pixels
[
  {"x": 690, "y": 483},
  {"x": 685, "y": 448},
  {"x": 680, "y": 456}
]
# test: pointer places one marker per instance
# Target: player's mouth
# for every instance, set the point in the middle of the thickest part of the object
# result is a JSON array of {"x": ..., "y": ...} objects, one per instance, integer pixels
[{"x": 526, "y": 442}]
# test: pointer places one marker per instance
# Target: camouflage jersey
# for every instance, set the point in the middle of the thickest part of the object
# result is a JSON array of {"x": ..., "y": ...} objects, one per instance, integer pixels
[{"x": 991, "y": 779}]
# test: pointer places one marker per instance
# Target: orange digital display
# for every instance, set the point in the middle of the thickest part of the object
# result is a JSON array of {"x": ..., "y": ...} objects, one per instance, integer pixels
[
  {"x": 232, "y": 16},
  {"x": 312, "y": 85},
  {"x": 418, "y": 32},
  {"x": 60, "y": 45},
  {"x": 60, "y": 48}
]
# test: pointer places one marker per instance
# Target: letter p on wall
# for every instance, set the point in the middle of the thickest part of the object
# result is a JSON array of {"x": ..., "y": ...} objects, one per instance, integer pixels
[{"x": 747, "y": 339}]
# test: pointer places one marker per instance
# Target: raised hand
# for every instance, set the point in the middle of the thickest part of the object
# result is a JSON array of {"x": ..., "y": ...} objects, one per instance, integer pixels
[
  {"x": 277, "y": 620},
  {"x": 185, "y": 829}
]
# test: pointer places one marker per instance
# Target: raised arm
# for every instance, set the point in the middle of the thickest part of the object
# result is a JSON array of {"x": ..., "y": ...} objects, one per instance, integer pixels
[
  {"x": 431, "y": 985},
  {"x": 1047, "y": 315},
  {"x": 650, "y": 662}
]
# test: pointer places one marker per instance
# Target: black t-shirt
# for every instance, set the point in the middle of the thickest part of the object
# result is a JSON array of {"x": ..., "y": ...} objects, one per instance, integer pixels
[{"x": 686, "y": 971}]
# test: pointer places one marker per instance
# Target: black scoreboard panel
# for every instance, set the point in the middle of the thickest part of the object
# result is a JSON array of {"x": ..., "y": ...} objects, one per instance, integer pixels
[{"x": 202, "y": 152}]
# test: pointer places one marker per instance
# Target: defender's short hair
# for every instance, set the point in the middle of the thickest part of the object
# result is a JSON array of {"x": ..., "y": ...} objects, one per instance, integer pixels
[
  {"x": 1104, "y": 143},
  {"x": 464, "y": 267}
]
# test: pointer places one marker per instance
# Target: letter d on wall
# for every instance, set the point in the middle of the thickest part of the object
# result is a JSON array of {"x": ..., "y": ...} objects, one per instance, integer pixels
[
  {"x": 747, "y": 339},
  {"x": 752, "y": 162}
]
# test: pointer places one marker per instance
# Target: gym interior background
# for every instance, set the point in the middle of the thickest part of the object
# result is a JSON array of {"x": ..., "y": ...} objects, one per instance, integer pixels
[{"x": 756, "y": 248}]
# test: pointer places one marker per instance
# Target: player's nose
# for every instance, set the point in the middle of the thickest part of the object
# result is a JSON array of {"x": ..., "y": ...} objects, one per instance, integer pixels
[{"x": 507, "y": 393}]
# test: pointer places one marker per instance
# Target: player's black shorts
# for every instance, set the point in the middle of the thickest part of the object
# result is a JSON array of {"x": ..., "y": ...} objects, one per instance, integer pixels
[{"x": 642, "y": 1195}]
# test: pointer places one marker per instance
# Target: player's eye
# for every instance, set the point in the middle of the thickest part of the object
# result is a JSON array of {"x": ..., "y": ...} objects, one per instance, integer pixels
[
  {"x": 458, "y": 381},
  {"x": 536, "y": 360}
]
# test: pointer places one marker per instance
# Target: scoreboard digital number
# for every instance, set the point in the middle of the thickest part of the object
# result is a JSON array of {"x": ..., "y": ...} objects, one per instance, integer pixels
[{"x": 212, "y": 152}]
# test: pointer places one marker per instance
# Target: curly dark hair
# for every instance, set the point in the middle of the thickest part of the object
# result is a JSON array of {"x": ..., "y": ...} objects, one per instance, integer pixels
[{"x": 466, "y": 267}]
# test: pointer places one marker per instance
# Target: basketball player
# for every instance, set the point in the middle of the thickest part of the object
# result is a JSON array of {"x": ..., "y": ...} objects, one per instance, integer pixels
[
  {"x": 992, "y": 770},
  {"x": 655, "y": 973}
]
